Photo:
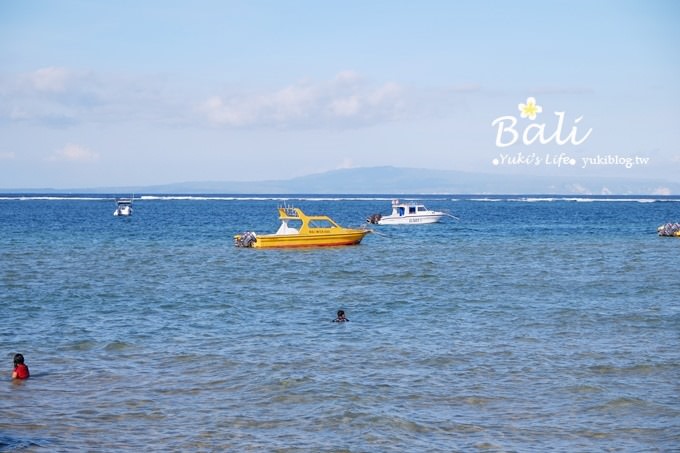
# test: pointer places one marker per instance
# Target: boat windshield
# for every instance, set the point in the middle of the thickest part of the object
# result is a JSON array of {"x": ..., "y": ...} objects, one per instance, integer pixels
[
  {"x": 289, "y": 226},
  {"x": 320, "y": 223}
]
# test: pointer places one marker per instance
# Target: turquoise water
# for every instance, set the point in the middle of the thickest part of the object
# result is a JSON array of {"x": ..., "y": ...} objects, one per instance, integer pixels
[{"x": 543, "y": 324}]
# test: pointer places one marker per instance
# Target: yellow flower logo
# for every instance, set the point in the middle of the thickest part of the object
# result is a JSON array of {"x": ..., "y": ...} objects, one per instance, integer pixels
[{"x": 530, "y": 109}]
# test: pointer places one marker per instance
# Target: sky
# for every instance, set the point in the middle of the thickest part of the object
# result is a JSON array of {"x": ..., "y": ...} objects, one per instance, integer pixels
[{"x": 108, "y": 94}]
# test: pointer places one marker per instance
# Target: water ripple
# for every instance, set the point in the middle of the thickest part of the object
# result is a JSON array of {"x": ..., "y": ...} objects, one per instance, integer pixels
[{"x": 528, "y": 327}]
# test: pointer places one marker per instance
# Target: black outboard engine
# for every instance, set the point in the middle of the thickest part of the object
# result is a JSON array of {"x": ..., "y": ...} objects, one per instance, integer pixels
[{"x": 374, "y": 219}]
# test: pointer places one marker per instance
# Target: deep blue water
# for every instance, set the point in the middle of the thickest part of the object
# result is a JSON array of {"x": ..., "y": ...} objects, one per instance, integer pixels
[{"x": 528, "y": 325}]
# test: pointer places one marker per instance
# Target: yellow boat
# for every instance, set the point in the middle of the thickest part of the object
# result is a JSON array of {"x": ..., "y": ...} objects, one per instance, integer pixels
[{"x": 300, "y": 230}]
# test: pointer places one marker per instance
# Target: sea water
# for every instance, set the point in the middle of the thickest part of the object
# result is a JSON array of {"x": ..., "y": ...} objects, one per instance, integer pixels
[{"x": 529, "y": 324}]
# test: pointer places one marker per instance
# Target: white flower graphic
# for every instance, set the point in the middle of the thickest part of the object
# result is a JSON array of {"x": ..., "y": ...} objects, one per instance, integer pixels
[{"x": 530, "y": 109}]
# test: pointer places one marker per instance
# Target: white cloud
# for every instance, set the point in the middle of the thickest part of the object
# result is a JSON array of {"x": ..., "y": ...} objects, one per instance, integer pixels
[
  {"x": 221, "y": 113},
  {"x": 7, "y": 155},
  {"x": 74, "y": 153},
  {"x": 347, "y": 77},
  {"x": 345, "y": 100},
  {"x": 387, "y": 93},
  {"x": 345, "y": 107},
  {"x": 50, "y": 79},
  {"x": 291, "y": 102}
]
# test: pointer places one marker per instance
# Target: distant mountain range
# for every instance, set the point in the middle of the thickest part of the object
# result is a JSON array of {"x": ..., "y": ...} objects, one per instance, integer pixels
[{"x": 395, "y": 180}]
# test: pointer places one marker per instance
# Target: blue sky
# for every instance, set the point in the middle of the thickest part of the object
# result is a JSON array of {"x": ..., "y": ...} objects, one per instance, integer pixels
[{"x": 135, "y": 93}]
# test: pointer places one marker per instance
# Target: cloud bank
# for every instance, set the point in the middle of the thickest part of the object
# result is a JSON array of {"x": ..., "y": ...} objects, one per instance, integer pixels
[
  {"x": 60, "y": 98},
  {"x": 346, "y": 100}
]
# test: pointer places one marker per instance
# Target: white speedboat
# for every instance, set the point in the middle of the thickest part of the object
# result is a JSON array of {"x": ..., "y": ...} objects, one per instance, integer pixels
[
  {"x": 407, "y": 213},
  {"x": 123, "y": 207}
]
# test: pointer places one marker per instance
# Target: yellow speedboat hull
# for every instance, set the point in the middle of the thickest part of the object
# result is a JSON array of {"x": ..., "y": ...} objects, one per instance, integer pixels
[{"x": 310, "y": 240}]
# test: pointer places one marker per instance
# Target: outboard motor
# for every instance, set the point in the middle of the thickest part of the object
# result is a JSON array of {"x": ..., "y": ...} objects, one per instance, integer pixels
[
  {"x": 246, "y": 239},
  {"x": 669, "y": 229},
  {"x": 374, "y": 219}
]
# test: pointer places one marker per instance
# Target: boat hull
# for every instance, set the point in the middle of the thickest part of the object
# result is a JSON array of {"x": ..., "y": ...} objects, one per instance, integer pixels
[
  {"x": 309, "y": 240},
  {"x": 125, "y": 212},
  {"x": 407, "y": 220}
]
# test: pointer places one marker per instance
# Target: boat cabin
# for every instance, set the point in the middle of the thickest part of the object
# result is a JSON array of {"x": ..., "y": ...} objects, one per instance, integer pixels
[
  {"x": 293, "y": 221},
  {"x": 410, "y": 209}
]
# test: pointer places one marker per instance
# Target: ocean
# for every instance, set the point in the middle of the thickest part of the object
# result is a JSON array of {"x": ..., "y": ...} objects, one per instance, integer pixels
[{"x": 537, "y": 323}]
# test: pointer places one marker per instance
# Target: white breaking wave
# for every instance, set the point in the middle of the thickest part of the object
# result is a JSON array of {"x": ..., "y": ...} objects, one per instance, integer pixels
[
  {"x": 492, "y": 199},
  {"x": 571, "y": 199},
  {"x": 52, "y": 198}
]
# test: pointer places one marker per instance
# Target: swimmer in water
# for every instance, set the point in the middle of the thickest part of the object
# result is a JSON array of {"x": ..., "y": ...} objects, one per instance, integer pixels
[
  {"x": 20, "y": 368},
  {"x": 341, "y": 317}
]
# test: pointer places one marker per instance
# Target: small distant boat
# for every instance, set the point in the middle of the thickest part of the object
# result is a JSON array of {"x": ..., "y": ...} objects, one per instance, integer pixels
[
  {"x": 407, "y": 213},
  {"x": 300, "y": 230},
  {"x": 669, "y": 230},
  {"x": 123, "y": 207}
]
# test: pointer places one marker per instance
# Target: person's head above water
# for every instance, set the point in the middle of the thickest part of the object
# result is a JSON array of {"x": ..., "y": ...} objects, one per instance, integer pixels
[
  {"x": 18, "y": 359},
  {"x": 341, "y": 316}
]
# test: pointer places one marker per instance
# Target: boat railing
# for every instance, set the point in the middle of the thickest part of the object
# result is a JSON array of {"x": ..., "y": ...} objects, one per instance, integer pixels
[{"x": 289, "y": 210}]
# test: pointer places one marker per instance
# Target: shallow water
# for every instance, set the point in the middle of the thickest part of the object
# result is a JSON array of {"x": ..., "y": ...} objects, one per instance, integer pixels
[{"x": 527, "y": 325}]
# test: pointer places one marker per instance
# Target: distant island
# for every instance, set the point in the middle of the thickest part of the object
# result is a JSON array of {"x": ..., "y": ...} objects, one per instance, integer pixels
[{"x": 398, "y": 180}]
